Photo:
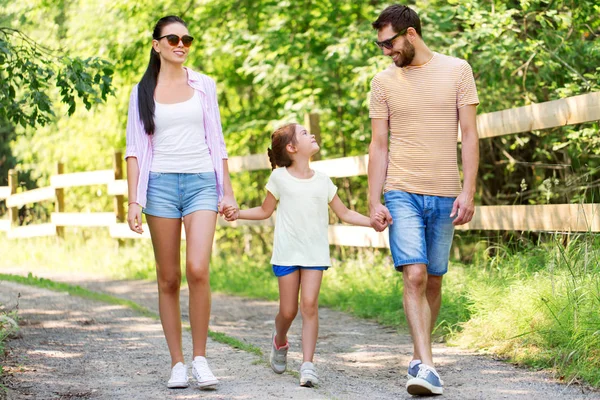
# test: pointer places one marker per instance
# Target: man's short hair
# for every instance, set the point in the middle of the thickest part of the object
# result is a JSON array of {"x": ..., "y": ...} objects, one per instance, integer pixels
[{"x": 400, "y": 17}]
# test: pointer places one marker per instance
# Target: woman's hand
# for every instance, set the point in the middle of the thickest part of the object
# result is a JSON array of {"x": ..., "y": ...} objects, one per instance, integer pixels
[
  {"x": 134, "y": 218},
  {"x": 228, "y": 203}
]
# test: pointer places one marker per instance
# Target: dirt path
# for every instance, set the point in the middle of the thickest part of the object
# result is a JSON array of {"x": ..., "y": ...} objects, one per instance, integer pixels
[
  {"x": 121, "y": 355},
  {"x": 72, "y": 348}
]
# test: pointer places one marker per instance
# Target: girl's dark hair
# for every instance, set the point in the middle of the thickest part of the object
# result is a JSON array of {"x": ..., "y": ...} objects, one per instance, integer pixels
[
  {"x": 278, "y": 155},
  {"x": 147, "y": 85},
  {"x": 400, "y": 17}
]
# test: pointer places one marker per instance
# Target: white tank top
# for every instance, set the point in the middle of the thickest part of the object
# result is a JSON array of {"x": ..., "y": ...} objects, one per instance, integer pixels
[{"x": 179, "y": 142}]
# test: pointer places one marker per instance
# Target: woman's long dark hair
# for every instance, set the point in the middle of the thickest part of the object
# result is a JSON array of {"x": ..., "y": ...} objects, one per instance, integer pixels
[{"x": 147, "y": 85}]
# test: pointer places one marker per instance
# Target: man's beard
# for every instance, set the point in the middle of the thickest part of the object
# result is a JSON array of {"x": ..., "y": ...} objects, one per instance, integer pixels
[{"x": 407, "y": 53}]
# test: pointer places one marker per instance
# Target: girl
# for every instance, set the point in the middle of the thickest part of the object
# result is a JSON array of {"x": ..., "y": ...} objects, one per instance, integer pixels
[
  {"x": 301, "y": 248},
  {"x": 177, "y": 171}
]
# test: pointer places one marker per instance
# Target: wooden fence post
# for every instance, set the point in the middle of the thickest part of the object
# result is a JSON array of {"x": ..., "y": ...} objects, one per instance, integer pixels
[
  {"x": 60, "y": 200},
  {"x": 311, "y": 122},
  {"x": 13, "y": 212},
  {"x": 119, "y": 198}
]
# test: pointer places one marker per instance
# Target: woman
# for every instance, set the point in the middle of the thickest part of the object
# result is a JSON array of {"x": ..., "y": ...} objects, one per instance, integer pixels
[{"x": 177, "y": 171}]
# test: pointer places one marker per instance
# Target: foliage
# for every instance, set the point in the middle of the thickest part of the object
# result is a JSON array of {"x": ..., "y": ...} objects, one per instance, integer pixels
[
  {"x": 34, "y": 78},
  {"x": 527, "y": 52},
  {"x": 28, "y": 70},
  {"x": 276, "y": 60}
]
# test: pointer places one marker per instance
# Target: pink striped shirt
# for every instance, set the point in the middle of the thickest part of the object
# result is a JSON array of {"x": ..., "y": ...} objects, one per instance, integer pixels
[{"x": 139, "y": 143}]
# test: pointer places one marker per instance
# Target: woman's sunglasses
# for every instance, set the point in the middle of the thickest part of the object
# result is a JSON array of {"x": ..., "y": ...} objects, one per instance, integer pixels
[{"x": 174, "y": 40}]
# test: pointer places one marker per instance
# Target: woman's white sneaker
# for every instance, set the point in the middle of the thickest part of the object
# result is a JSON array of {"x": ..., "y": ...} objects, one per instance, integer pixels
[
  {"x": 179, "y": 376},
  {"x": 203, "y": 374},
  {"x": 308, "y": 375}
]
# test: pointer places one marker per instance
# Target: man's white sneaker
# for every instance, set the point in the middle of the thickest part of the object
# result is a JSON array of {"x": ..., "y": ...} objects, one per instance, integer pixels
[
  {"x": 278, "y": 356},
  {"x": 179, "y": 376},
  {"x": 203, "y": 374},
  {"x": 308, "y": 375}
]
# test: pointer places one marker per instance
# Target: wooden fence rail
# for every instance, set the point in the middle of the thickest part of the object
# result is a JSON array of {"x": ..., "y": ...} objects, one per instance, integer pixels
[{"x": 552, "y": 218}]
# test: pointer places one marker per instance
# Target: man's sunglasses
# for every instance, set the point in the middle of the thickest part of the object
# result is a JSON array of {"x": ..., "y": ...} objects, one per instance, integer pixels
[
  {"x": 389, "y": 43},
  {"x": 174, "y": 40}
]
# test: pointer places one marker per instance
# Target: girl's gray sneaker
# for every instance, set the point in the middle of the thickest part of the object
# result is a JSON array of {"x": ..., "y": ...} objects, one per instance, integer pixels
[
  {"x": 308, "y": 375},
  {"x": 278, "y": 357}
]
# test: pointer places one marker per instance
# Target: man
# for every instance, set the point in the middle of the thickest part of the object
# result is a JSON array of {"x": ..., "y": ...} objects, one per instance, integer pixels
[{"x": 420, "y": 100}]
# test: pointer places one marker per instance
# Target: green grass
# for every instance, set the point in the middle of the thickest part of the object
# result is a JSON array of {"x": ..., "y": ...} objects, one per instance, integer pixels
[
  {"x": 235, "y": 343},
  {"x": 539, "y": 308},
  {"x": 75, "y": 290},
  {"x": 78, "y": 291},
  {"x": 535, "y": 304}
]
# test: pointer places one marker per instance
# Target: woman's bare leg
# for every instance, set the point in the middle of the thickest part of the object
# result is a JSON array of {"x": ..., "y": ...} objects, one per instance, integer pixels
[
  {"x": 199, "y": 232},
  {"x": 166, "y": 240}
]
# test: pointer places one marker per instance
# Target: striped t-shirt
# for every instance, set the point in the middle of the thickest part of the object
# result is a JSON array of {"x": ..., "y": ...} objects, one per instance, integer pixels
[{"x": 421, "y": 104}]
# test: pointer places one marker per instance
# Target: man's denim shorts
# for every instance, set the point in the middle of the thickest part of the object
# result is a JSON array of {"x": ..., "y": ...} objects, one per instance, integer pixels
[
  {"x": 172, "y": 195},
  {"x": 422, "y": 230}
]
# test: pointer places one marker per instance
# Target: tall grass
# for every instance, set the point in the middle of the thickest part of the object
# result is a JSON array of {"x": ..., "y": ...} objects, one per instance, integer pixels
[
  {"x": 539, "y": 307},
  {"x": 534, "y": 303}
]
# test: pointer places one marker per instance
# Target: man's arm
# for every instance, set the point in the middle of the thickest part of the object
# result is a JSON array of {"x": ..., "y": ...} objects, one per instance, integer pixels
[
  {"x": 464, "y": 205},
  {"x": 378, "y": 159}
]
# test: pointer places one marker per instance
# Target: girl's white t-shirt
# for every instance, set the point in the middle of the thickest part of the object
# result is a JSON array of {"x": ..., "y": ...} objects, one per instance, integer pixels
[
  {"x": 302, "y": 220},
  {"x": 179, "y": 142}
]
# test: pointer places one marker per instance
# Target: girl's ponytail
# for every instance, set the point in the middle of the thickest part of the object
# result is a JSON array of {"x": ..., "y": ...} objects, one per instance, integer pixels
[{"x": 272, "y": 158}]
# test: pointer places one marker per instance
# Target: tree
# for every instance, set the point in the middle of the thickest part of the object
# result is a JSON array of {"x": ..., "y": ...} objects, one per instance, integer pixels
[{"x": 28, "y": 72}]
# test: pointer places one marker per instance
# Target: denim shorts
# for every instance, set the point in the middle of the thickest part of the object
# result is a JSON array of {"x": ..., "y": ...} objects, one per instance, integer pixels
[
  {"x": 422, "y": 230},
  {"x": 283, "y": 270},
  {"x": 172, "y": 195}
]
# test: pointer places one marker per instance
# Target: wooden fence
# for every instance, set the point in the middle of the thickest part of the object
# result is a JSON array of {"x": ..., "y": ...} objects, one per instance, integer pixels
[{"x": 552, "y": 218}]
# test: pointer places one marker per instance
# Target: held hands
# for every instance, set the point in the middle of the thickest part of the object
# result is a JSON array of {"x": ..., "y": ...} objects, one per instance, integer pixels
[
  {"x": 380, "y": 217},
  {"x": 229, "y": 208},
  {"x": 463, "y": 208},
  {"x": 231, "y": 213},
  {"x": 134, "y": 218}
]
